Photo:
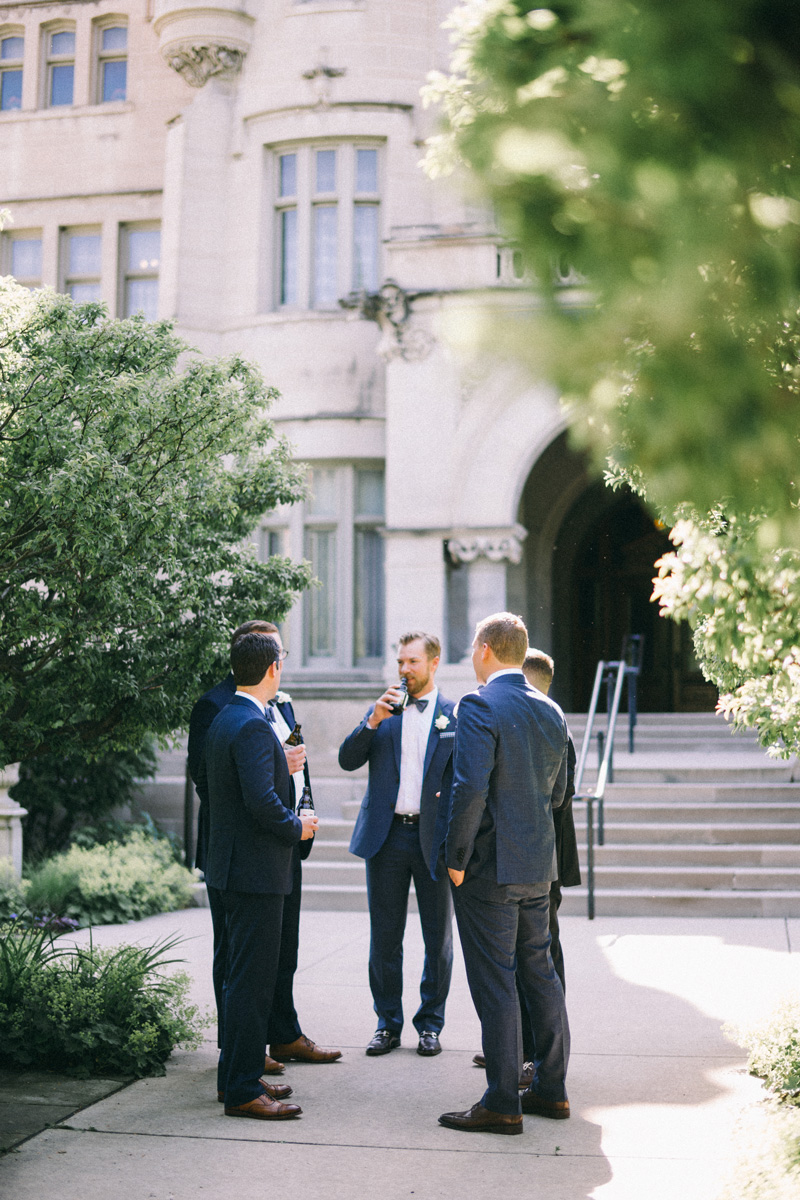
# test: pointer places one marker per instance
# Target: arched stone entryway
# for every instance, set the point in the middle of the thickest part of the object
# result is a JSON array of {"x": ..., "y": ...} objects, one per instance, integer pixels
[{"x": 586, "y": 580}]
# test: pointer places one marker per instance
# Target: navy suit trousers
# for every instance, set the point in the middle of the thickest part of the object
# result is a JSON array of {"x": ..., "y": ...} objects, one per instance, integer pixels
[
  {"x": 389, "y": 874},
  {"x": 253, "y": 937},
  {"x": 505, "y": 936}
]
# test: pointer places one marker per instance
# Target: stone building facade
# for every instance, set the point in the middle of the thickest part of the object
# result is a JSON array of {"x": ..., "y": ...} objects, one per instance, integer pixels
[{"x": 251, "y": 171}]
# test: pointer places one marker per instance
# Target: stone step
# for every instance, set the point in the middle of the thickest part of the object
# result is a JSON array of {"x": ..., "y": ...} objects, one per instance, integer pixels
[
  {"x": 698, "y": 878},
  {"x": 680, "y": 769},
  {"x": 724, "y": 833},
  {"x": 659, "y": 813},
  {"x": 654, "y": 902},
  {"x": 778, "y": 791},
  {"x": 677, "y": 855},
  {"x": 339, "y": 873}
]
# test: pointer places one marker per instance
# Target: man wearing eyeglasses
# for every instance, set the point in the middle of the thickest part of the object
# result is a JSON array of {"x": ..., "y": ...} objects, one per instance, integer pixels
[{"x": 285, "y": 1033}]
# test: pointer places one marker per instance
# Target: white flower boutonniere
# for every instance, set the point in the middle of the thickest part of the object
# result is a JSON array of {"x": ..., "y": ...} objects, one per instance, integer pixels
[
  {"x": 283, "y": 698},
  {"x": 442, "y": 722}
]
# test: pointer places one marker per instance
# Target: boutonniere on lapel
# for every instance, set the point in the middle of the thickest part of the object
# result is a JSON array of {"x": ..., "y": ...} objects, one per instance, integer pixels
[
  {"x": 283, "y": 698},
  {"x": 442, "y": 722}
]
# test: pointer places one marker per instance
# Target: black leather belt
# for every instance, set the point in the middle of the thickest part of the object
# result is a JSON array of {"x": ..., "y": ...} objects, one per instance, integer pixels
[{"x": 407, "y": 818}]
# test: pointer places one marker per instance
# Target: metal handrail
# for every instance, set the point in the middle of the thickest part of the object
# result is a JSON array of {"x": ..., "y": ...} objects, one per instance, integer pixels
[{"x": 604, "y": 772}]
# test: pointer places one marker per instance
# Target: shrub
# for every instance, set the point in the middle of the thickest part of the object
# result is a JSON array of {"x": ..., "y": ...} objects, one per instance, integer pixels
[
  {"x": 111, "y": 884},
  {"x": 92, "y": 1011},
  {"x": 62, "y": 792},
  {"x": 113, "y": 830},
  {"x": 769, "y": 1164},
  {"x": 774, "y": 1049},
  {"x": 12, "y": 890}
]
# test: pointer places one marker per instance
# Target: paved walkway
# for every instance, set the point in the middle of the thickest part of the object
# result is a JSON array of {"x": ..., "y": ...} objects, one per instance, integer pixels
[{"x": 655, "y": 1088}]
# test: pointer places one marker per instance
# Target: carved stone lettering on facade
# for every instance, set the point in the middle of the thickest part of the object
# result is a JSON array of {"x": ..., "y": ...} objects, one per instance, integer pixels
[{"x": 197, "y": 64}]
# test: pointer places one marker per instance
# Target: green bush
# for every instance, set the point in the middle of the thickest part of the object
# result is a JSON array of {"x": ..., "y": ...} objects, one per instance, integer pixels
[
  {"x": 111, "y": 884},
  {"x": 112, "y": 830},
  {"x": 63, "y": 792},
  {"x": 774, "y": 1049},
  {"x": 769, "y": 1162},
  {"x": 12, "y": 890},
  {"x": 91, "y": 1012}
]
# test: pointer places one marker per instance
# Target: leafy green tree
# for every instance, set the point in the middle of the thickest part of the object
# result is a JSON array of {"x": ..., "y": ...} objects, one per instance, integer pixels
[
  {"x": 653, "y": 148},
  {"x": 131, "y": 474}
]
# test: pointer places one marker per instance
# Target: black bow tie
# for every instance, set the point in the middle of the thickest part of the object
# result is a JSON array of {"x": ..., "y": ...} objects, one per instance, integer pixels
[
  {"x": 269, "y": 714},
  {"x": 421, "y": 704}
]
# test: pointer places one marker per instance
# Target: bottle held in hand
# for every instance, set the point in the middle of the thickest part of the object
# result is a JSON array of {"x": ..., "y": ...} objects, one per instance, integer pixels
[
  {"x": 305, "y": 803},
  {"x": 403, "y": 701},
  {"x": 295, "y": 738}
]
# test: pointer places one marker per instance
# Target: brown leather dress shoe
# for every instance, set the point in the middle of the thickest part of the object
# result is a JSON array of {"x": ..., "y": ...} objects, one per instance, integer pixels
[
  {"x": 479, "y": 1060},
  {"x": 264, "y": 1108},
  {"x": 557, "y": 1110},
  {"x": 272, "y": 1067},
  {"x": 304, "y": 1050},
  {"x": 278, "y": 1091},
  {"x": 481, "y": 1120}
]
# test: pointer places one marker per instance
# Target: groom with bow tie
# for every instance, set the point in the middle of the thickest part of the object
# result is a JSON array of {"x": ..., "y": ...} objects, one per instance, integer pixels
[{"x": 396, "y": 833}]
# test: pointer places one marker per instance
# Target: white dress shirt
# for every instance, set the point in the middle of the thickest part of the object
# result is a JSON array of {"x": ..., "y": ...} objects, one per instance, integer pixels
[
  {"x": 506, "y": 671},
  {"x": 414, "y": 743},
  {"x": 258, "y": 704}
]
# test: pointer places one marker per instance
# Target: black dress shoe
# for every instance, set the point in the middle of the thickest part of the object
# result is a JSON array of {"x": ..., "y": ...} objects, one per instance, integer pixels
[
  {"x": 556, "y": 1110},
  {"x": 429, "y": 1044},
  {"x": 383, "y": 1040},
  {"x": 481, "y": 1120}
]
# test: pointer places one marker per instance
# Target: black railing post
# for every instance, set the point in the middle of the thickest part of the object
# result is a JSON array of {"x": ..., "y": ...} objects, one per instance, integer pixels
[
  {"x": 188, "y": 818},
  {"x": 590, "y": 857}
]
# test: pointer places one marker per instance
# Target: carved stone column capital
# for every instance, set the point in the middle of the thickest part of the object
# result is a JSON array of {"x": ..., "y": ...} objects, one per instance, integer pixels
[
  {"x": 390, "y": 308},
  {"x": 197, "y": 64},
  {"x": 496, "y": 545}
]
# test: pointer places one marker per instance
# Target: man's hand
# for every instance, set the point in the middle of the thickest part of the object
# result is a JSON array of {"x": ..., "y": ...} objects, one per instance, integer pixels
[
  {"x": 383, "y": 707},
  {"x": 310, "y": 821},
  {"x": 456, "y": 876},
  {"x": 295, "y": 757}
]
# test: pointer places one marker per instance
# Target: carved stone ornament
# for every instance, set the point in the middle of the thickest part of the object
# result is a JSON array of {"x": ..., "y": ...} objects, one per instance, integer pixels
[
  {"x": 497, "y": 547},
  {"x": 320, "y": 79},
  {"x": 390, "y": 307},
  {"x": 197, "y": 64}
]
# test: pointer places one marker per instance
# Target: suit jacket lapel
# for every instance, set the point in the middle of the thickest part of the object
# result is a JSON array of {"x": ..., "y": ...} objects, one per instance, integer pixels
[{"x": 433, "y": 737}]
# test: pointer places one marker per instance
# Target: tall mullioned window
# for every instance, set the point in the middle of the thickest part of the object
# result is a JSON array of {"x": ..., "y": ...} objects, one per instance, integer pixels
[
  {"x": 141, "y": 258},
  {"x": 60, "y": 67},
  {"x": 24, "y": 259},
  {"x": 327, "y": 223},
  {"x": 12, "y": 50},
  {"x": 338, "y": 528},
  {"x": 112, "y": 63},
  {"x": 81, "y": 264}
]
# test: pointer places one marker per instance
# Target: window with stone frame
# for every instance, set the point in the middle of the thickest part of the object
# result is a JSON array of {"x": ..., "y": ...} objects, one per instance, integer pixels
[
  {"x": 12, "y": 50},
  {"x": 327, "y": 223},
  {"x": 81, "y": 264},
  {"x": 111, "y": 42},
  {"x": 22, "y": 256},
  {"x": 60, "y": 60},
  {"x": 140, "y": 260},
  {"x": 338, "y": 623}
]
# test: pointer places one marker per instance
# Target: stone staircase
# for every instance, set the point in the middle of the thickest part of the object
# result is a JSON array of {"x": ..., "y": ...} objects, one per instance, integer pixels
[{"x": 698, "y": 822}]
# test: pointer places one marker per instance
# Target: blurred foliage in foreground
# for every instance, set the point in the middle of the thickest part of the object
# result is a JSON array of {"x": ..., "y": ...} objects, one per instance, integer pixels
[{"x": 654, "y": 149}]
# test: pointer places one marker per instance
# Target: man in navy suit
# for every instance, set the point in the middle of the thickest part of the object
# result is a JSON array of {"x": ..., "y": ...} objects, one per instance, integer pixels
[
  {"x": 284, "y": 1026},
  {"x": 252, "y": 830},
  {"x": 510, "y": 772},
  {"x": 396, "y": 833}
]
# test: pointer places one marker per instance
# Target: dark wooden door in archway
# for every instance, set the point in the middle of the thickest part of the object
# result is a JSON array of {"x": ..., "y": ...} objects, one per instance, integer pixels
[{"x": 611, "y": 588}]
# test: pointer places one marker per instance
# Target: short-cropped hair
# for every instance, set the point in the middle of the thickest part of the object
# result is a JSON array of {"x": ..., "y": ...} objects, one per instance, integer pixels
[
  {"x": 251, "y": 657},
  {"x": 433, "y": 647},
  {"x": 539, "y": 663},
  {"x": 505, "y": 635},
  {"x": 253, "y": 627}
]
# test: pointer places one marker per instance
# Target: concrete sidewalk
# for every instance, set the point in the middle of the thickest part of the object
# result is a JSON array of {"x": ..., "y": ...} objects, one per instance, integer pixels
[{"x": 655, "y": 1088}]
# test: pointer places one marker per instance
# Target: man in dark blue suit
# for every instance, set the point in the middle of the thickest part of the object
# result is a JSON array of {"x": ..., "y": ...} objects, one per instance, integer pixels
[
  {"x": 396, "y": 833},
  {"x": 510, "y": 772},
  {"x": 252, "y": 830},
  {"x": 284, "y": 1026}
]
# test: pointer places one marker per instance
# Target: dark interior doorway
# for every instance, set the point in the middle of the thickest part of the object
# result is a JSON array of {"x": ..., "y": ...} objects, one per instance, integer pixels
[{"x": 603, "y": 567}]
